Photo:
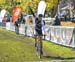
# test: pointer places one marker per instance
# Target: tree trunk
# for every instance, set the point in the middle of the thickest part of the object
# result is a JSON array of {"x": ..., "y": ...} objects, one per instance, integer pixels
[{"x": 54, "y": 11}]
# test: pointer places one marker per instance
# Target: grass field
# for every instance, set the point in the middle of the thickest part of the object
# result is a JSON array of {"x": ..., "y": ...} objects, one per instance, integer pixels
[{"x": 18, "y": 48}]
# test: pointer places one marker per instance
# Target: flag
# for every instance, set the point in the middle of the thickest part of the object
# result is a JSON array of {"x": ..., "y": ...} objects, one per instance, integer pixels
[
  {"x": 2, "y": 14},
  {"x": 41, "y": 8},
  {"x": 16, "y": 13}
]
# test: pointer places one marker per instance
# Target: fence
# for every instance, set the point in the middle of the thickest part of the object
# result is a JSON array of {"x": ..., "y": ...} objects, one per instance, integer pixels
[
  {"x": 3, "y": 24},
  {"x": 62, "y": 35}
]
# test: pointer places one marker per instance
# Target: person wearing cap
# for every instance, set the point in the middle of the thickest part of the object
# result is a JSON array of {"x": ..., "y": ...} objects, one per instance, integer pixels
[{"x": 38, "y": 30}]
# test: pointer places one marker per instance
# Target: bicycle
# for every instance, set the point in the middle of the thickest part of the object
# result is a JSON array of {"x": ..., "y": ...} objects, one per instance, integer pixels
[{"x": 39, "y": 46}]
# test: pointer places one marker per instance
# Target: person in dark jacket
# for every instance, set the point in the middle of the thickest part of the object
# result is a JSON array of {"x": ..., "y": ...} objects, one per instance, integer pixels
[
  {"x": 57, "y": 21},
  {"x": 17, "y": 23},
  {"x": 38, "y": 25},
  {"x": 38, "y": 30}
]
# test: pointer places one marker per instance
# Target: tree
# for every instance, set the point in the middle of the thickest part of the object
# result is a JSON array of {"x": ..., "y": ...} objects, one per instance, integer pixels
[{"x": 9, "y": 4}]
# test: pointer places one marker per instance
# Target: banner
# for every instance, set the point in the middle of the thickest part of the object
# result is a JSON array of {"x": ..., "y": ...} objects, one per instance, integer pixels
[
  {"x": 61, "y": 35},
  {"x": 30, "y": 30},
  {"x": 8, "y": 24},
  {"x": 41, "y": 8},
  {"x": 2, "y": 14},
  {"x": 69, "y": 32},
  {"x": 12, "y": 27},
  {"x": 22, "y": 29},
  {"x": 16, "y": 13},
  {"x": 47, "y": 33},
  {"x": 54, "y": 35}
]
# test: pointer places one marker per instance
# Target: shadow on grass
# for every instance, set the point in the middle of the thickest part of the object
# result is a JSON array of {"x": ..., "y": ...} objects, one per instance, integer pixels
[{"x": 58, "y": 58}]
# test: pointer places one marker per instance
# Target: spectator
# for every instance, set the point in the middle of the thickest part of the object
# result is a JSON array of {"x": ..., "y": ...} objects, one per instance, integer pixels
[{"x": 57, "y": 21}]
